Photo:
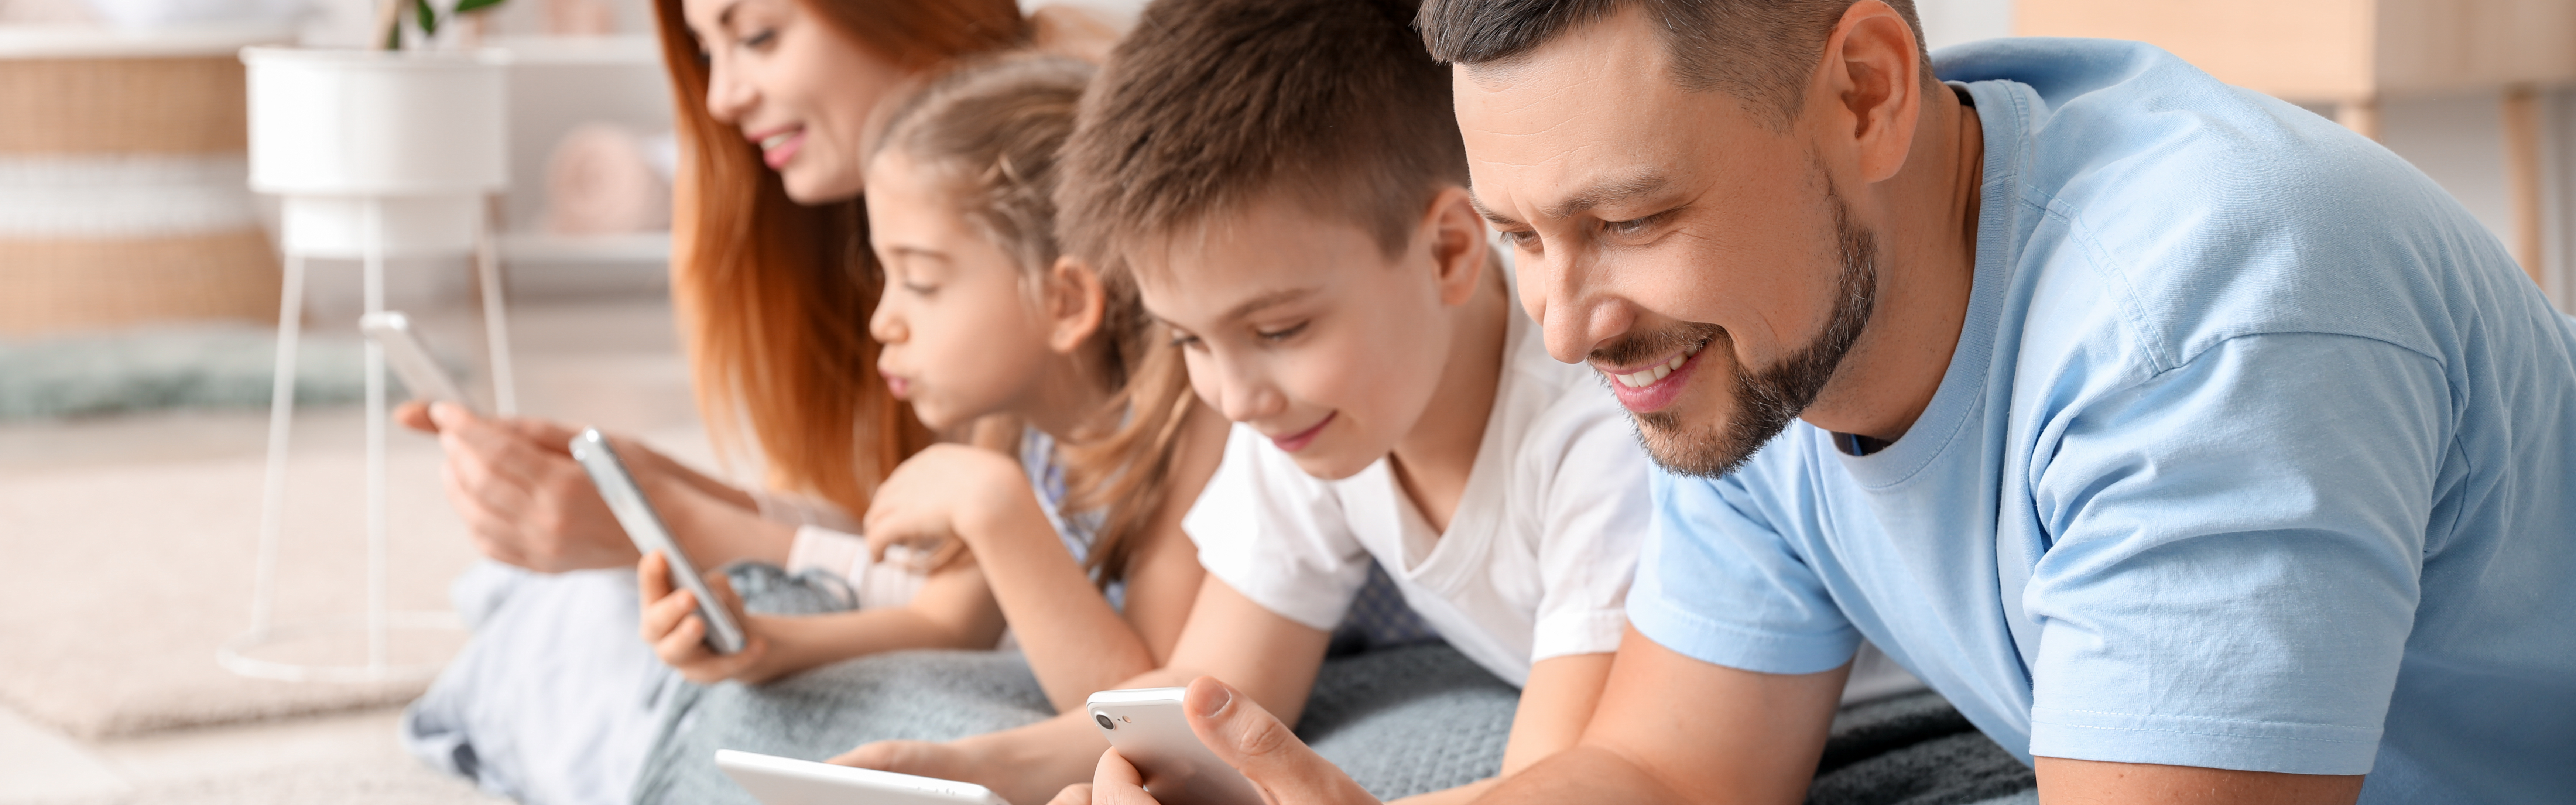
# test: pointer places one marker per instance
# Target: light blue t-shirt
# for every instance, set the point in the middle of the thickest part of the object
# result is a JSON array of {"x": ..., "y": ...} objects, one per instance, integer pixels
[{"x": 2255, "y": 453}]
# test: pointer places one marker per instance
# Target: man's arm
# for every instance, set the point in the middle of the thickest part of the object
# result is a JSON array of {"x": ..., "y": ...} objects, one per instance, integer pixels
[
  {"x": 1269, "y": 657},
  {"x": 1672, "y": 729},
  {"x": 2090, "y": 782}
]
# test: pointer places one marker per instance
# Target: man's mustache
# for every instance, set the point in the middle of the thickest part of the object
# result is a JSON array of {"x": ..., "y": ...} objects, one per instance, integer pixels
[{"x": 1636, "y": 348}]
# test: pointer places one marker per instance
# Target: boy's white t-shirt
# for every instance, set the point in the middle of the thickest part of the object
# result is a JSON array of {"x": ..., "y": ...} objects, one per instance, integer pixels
[{"x": 1535, "y": 563}]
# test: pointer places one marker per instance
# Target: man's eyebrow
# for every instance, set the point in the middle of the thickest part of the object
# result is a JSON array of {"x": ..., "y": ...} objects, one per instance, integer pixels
[
  {"x": 1268, "y": 299},
  {"x": 1611, "y": 191},
  {"x": 1491, "y": 217}
]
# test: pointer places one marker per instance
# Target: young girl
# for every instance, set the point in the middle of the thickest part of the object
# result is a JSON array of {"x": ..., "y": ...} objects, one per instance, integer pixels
[{"x": 1077, "y": 544}]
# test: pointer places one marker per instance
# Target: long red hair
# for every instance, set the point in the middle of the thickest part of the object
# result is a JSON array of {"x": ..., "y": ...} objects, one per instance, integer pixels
[{"x": 773, "y": 296}]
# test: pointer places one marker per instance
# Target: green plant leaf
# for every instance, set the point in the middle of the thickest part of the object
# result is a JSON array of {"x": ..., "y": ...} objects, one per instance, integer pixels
[
  {"x": 428, "y": 17},
  {"x": 463, "y": 6}
]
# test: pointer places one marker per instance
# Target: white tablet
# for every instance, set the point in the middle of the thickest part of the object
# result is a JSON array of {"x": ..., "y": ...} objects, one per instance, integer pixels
[{"x": 786, "y": 781}]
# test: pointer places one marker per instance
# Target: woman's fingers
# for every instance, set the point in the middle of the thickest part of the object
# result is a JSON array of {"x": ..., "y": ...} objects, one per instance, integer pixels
[{"x": 414, "y": 414}]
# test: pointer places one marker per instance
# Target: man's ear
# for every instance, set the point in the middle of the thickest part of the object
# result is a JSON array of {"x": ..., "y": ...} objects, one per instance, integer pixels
[
  {"x": 1459, "y": 251},
  {"x": 1074, "y": 302},
  {"x": 1873, "y": 72}
]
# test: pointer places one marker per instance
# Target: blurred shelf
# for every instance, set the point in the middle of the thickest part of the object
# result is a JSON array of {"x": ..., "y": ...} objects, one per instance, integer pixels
[
  {"x": 102, "y": 42},
  {"x": 630, "y": 49},
  {"x": 533, "y": 247}
]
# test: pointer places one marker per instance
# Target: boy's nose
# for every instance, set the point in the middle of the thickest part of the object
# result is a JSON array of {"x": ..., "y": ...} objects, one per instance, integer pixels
[{"x": 1248, "y": 400}]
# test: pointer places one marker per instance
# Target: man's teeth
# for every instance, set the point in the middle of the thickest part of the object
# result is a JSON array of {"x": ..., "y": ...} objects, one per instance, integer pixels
[{"x": 1647, "y": 377}]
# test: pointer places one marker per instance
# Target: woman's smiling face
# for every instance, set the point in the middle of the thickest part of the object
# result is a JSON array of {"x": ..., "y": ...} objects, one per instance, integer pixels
[{"x": 799, "y": 90}]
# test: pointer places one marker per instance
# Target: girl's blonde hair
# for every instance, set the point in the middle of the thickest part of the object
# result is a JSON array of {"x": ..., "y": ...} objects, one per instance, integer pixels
[
  {"x": 995, "y": 127},
  {"x": 774, "y": 296}
]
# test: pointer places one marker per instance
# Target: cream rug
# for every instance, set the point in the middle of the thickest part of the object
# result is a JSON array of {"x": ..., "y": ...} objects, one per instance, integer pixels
[
  {"x": 133, "y": 576},
  {"x": 131, "y": 540}
]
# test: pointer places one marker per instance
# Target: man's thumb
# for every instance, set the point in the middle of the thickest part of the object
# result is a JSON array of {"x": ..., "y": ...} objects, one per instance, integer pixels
[{"x": 1254, "y": 742}]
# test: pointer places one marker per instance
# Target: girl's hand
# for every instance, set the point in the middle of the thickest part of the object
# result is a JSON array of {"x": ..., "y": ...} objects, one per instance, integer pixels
[
  {"x": 940, "y": 495},
  {"x": 672, "y": 626}
]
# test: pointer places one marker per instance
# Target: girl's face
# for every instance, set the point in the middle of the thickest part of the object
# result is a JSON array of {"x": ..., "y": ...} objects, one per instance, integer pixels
[
  {"x": 964, "y": 335},
  {"x": 798, "y": 89}
]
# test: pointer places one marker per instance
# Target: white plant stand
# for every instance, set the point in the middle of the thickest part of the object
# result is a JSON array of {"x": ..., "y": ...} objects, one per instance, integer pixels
[{"x": 374, "y": 155}]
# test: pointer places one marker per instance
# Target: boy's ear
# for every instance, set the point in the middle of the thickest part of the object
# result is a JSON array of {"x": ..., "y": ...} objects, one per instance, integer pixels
[
  {"x": 1075, "y": 302},
  {"x": 1458, "y": 248}
]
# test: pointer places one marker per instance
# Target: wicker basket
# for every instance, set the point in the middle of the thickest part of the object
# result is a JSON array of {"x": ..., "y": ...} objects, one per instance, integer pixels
[{"x": 113, "y": 271}]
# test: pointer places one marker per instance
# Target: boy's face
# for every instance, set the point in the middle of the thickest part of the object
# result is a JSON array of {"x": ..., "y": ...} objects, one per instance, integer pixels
[{"x": 1301, "y": 327}]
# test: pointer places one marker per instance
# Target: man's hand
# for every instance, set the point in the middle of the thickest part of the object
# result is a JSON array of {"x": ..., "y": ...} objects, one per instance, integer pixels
[{"x": 1246, "y": 737}]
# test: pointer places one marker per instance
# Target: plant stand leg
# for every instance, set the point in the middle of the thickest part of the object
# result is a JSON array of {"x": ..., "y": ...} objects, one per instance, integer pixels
[
  {"x": 281, "y": 418},
  {"x": 373, "y": 229},
  {"x": 496, "y": 319}
]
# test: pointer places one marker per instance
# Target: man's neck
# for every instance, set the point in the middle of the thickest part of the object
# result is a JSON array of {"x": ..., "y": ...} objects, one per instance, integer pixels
[
  {"x": 1433, "y": 460},
  {"x": 1926, "y": 224}
]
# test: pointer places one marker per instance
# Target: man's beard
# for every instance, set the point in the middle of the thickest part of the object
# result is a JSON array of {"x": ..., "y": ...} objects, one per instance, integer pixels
[{"x": 1766, "y": 401}]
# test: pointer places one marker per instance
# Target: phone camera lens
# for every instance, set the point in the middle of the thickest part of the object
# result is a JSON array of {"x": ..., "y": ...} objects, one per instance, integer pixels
[{"x": 1103, "y": 718}]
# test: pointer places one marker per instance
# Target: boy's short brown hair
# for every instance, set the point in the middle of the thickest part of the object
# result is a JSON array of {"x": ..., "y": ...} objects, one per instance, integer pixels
[{"x": 1211, "y": 105}]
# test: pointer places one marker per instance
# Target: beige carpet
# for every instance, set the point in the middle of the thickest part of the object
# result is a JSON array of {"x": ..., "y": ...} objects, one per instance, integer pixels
[
  {"x": 132, "y": 540},
  {"x": 143, "y": 571}
]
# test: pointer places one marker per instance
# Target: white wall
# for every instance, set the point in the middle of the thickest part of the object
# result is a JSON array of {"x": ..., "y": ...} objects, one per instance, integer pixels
[{"x": 1950, "y": 22}]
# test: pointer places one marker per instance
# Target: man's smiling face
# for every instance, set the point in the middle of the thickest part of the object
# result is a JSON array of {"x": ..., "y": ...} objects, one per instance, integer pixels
[{"x": 1690, "y": 246}]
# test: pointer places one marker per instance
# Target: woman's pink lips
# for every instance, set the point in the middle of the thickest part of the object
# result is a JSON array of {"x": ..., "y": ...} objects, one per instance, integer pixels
[
  {"x": 777, "y": 157},
  {"x": 1654, "y": 396},
  {"x": 1298, "y": 441}
]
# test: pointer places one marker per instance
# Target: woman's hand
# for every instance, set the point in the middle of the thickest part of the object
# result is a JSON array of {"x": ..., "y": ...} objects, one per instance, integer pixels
[
  {"x": 528, "y": 503},
  {"x": 522, "y": 495},
  {"x": 672, "y": 626},
  {"x": 942, "y": 494}
]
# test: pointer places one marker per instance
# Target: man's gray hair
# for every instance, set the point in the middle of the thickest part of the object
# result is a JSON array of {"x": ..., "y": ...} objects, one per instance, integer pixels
[{"x": 1761, "y": 51}]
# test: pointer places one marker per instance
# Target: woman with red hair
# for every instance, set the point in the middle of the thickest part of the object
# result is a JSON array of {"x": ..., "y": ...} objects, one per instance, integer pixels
[{"x": 773, "y": 284}]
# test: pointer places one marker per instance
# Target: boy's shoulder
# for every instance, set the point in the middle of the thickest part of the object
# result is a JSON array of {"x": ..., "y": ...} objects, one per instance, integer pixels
[{"x": 1553, "y": 419}]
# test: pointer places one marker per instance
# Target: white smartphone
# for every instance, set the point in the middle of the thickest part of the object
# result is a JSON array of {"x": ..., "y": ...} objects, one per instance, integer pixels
[
  {"x": 1150, "y": 731},
  {"x": 410, "y": 358},
  {"x": 644, "y": 527},
  {"x": 786, "y": 781}
]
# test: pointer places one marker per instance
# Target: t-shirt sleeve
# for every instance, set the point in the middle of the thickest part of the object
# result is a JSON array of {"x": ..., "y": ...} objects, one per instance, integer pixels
[
  {"x": 1718, "y": 583},
  {"x": 1276, "y": 534},
  {"x": 2235, "y": 552},
  {"x": 1596, "y": 518}
]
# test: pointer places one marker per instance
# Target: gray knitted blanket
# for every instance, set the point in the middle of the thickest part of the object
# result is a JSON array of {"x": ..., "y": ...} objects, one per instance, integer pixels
[{"x": 1401, "y": 721}]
